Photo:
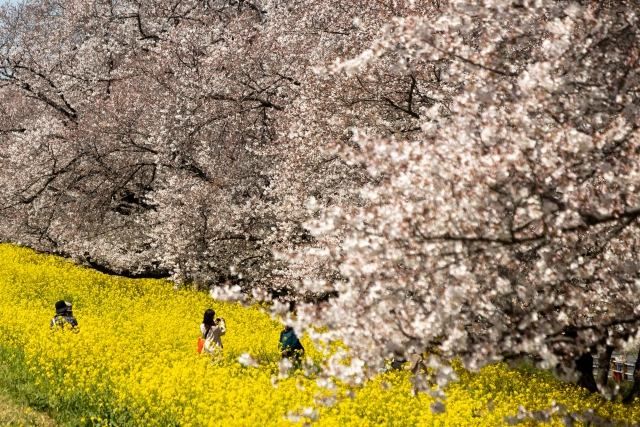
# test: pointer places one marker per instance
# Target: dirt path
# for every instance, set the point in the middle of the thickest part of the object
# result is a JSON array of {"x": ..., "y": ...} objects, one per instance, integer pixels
[{"x": 13, "y": 414}]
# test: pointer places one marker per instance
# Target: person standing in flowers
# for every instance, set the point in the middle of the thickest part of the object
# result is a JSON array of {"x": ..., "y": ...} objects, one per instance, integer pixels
[
  {"x": 64, "y": 317},
  {"x": 212, "y": 329},
  {"x": 290, "y": 346}
]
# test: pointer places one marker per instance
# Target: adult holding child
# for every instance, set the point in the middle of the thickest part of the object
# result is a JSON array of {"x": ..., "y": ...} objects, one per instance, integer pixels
[{"x": 212, "y": 329}]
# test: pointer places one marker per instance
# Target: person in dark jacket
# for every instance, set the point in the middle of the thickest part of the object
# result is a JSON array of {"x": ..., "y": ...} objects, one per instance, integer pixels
[
  {"x": 64, "y": 317},
  {"x": 290, "y": 346}
]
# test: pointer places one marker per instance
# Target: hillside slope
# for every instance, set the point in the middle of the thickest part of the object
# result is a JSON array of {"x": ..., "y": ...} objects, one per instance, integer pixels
[{"x": 134, "y": 363}]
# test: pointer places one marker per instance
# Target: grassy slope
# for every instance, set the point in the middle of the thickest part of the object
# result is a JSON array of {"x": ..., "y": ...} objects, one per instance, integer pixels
[
  {"x": 14, "y": 414},
  {"x": 134, "y": 361}
]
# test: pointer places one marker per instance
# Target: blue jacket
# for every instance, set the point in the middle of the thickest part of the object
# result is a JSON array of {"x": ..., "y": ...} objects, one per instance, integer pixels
[{"x": 289, "y": 341}]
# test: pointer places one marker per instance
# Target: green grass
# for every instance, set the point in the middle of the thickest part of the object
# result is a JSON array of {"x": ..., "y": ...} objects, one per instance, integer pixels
[
  {"x": 20, "y": 402},
  {"x": 13, "y": 413}
]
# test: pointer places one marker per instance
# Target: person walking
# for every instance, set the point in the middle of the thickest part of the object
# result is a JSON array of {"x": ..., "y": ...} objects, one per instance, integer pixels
[
  {"x": 64, "y": 318},
  {"x": 616, "y": 370},
  {"x": 211, "y": 329}
]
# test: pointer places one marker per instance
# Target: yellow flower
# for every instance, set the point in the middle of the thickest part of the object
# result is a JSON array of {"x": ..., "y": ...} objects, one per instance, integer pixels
[{"x": 134, "y": 362}]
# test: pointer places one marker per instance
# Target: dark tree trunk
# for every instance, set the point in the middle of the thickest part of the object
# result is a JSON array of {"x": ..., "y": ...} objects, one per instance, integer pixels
[
  {"x": 604, "y": 362},
  {"x": 584, "y": 366},
  {"x": 635, "y": 390}
]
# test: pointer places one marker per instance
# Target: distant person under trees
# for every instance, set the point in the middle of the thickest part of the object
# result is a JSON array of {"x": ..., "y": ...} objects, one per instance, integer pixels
[
  {"x": 617, "y": 371},
  {"x": 64, "y": 317}
]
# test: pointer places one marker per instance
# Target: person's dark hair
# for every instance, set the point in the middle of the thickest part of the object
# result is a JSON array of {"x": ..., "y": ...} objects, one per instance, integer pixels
[
  {"x": 63, "y": 307},
  {"x": 209, "y": 317}
]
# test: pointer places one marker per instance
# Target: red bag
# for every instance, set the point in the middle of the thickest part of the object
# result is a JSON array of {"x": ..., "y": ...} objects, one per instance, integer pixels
[{"x": 200, "y": 344}]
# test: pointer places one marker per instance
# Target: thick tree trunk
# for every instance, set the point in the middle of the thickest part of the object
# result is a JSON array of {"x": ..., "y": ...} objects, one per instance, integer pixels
[
  {"x": 635, "y": 390},
  {"x": 148, "y": 273},
  {"x": 584, "y": 365},
  {"x": 604, "y": 362}
]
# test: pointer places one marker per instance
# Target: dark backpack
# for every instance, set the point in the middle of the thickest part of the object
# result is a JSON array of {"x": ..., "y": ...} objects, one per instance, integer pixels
[{"x": 289, "y": 341}]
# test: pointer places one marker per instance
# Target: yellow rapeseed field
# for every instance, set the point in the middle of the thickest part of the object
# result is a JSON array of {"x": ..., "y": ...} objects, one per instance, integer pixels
[{"x": 134, "y": 362}]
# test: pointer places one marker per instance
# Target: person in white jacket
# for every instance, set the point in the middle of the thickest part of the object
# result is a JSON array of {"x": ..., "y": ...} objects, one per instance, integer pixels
[{"x": 212, "y": 329}]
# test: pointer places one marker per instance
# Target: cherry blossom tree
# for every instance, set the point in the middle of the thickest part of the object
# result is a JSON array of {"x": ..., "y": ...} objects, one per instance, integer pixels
[
  {"x": 457, "y": 178},
  {"x": 135, "y": 133},
  {"x": 172, "y": 132},
  {"x": 506, "y": 224}
]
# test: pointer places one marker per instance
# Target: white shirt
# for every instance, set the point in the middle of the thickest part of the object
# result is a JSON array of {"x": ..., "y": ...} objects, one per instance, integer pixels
[{"x": 212, "y": 339}]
